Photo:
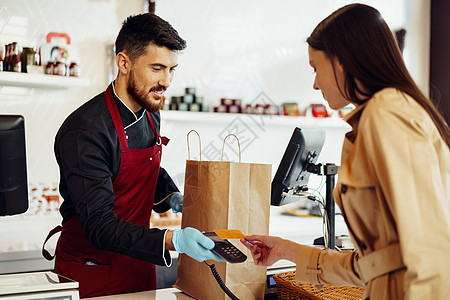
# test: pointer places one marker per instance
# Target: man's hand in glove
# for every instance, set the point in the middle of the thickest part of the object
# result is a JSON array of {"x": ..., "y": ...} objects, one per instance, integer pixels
[
  {"x": 192, "y": 242},
  {"x": 176, "y": 202}
]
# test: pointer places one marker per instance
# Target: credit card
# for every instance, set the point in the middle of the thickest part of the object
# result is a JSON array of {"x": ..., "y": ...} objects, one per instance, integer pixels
[{"x": 226, "y": 234}]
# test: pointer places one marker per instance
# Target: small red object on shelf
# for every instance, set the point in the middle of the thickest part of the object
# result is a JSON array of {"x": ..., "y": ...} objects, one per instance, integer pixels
[{"x": 319, "y": 111}]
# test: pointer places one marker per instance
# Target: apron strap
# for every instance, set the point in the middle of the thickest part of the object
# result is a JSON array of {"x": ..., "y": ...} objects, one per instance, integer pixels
[
  {"x": 45, "y": 253},
  {"x": 165, "y": 140},
  {"x": 380, "y": 262},
  {"x": 159, "y": 139},
  {"x": 114, "y": 112}
]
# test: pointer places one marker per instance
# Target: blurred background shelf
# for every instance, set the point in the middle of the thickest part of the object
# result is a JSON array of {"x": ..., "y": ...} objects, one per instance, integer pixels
[
  {"x": 41, "y": 80},
  {"x": 263, "y": 120}
]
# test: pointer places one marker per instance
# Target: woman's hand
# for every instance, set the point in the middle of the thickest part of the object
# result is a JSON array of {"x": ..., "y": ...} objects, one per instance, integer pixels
[{"x": 267, "y": 250}]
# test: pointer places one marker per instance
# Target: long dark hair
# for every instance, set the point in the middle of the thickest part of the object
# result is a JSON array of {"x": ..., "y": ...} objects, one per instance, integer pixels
[{"x": 360, "y": 39}]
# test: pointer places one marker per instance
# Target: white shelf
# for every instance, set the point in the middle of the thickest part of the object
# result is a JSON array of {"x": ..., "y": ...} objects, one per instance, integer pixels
[
  {"x": 41, "y": 80},
  {"x": 209, "y": 117}
]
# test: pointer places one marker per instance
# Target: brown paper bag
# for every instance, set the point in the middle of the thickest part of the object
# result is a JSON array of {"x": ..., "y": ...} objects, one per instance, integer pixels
[{"x": 225, "y": 195}]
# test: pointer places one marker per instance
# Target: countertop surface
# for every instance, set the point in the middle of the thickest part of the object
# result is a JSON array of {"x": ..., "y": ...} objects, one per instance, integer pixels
[
  {"x": 298, "y": 229},
  {"x": 170, "y": 293}
]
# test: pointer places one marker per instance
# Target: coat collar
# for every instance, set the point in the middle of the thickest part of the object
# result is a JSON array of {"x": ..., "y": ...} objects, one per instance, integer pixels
[{"x": 352, "y": 118}]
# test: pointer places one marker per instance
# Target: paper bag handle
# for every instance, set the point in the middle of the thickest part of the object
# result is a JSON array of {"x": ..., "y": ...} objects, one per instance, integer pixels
[
  {"x": 223, "y": 146},
  {"x": 199, "y": 144}
]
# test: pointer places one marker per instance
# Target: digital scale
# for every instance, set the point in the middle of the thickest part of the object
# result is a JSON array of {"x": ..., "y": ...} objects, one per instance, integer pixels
[{"x": 39, "y": 285}]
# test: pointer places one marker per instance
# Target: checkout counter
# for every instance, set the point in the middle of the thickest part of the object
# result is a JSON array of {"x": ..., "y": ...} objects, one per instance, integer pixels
[
  {"x": 50, "y": 286},
  {"x": 299, "y": 229},
  {"x": 160, "y": 294}
]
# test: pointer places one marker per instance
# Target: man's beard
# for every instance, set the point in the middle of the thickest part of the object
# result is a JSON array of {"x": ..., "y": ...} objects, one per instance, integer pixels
[{"x": 141, "y": 96}]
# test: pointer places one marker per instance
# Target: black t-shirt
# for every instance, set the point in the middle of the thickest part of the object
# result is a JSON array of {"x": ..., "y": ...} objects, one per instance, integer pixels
[{"x": 87, "y": 150}]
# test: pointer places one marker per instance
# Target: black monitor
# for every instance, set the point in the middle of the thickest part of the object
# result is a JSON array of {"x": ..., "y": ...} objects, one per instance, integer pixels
[
  {"x": 292, "y": 177},
  {"x": 13, "y": 166}
]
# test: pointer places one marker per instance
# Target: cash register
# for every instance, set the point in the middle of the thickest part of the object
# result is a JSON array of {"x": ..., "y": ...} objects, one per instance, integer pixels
[{"x": 37, "y": 285}]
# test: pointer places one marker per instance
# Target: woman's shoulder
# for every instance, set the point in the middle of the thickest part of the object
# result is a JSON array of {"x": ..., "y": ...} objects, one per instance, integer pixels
[
  {"x": 393, "y": 102},
  {"x": 392, "y": 98},
  {"x": 392, "y": 109}
]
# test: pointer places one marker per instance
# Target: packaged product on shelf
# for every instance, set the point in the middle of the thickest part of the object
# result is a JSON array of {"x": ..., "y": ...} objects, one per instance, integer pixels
[
  {"x": 59, "y": 68},
  {"x": 259, "y": 109},
  {"x": 290, "y": 109},
  {"x": 271, "y": 110},
  {"x": 345, "y": 110},
  {"x": 29, "y": 57},
  {"x": 74, "y": 69},
  {"x": 188, "y": 102},
  {"x": 195, "y": 107},
  {"x": 222, "y": 109},
  {"x": 49, "y": 68},
  {"x": 1, "y": 62},
  {"x": 248, "y": 109},
  {"x": 226, "y": 101},
  {"x": 189, "y": 98},
  {"x": 234, "y": 109},
  {"x": 58, "y": 49},
  {"x": 183, "y": 106},
  {"x": 190, "y": 90},
  {"x": 15, "y": 65},
  {"x": 199, "y": 99},
  {"x": 319, "y": 111},
  {"x": 6, "y": 55}
]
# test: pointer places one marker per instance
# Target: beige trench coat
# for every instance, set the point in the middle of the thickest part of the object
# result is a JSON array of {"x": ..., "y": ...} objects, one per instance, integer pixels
[{"x": 393, "y": 190}]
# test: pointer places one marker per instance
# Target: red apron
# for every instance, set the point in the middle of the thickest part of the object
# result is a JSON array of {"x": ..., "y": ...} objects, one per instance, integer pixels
[{"x": 134, "y": 189}]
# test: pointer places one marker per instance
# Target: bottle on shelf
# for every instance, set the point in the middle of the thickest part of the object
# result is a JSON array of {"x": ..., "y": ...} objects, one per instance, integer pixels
[
  {"x": 15, "y": 63},
  {"x": 1, "y": 62},
  {"x": 7, "y": 57}
]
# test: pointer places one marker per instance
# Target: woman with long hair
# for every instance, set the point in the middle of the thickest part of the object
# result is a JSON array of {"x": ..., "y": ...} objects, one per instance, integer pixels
[{"x": 393, "y": 184}]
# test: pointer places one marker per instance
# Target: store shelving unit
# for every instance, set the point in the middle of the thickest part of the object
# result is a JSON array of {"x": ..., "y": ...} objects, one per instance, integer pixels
[
  {"x": 209, "y": 118},
  {"x": 41, "y": 80}
]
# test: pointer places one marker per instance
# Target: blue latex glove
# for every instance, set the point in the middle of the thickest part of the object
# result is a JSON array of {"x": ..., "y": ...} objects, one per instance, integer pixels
[
  {"x": 192, "y": 242},
  {"x": 176, "y": 202}
]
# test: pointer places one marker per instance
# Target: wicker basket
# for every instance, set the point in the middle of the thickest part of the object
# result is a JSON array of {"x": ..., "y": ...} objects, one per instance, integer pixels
[{"x": 288, "y": 288}]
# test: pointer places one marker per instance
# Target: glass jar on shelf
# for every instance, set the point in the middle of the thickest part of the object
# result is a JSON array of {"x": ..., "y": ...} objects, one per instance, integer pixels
[
  {"x": 74, "y": 69},
  {"x": 59, "y": 68},
  {"x": 29, "y": 56},
  {"x": 48, "y": 68}
]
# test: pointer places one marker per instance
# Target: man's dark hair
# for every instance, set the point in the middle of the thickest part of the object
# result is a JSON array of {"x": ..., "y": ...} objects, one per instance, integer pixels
[{"x": 139, "y": 31}]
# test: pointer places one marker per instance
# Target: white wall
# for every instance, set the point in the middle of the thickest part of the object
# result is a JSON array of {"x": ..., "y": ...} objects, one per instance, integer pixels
[{"x": 238, "y": 48}]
